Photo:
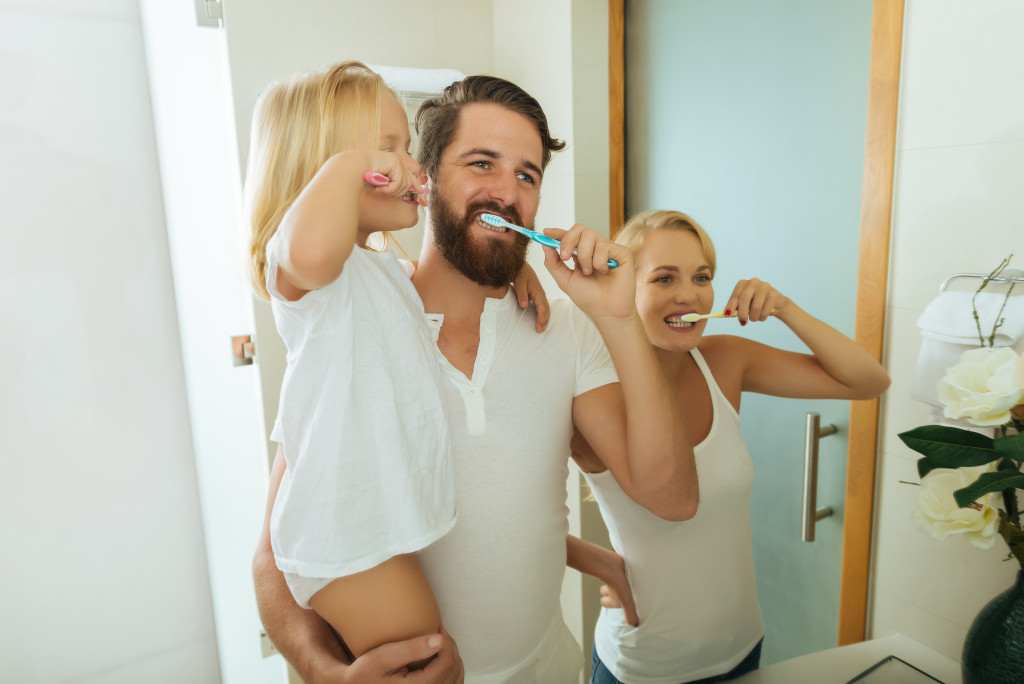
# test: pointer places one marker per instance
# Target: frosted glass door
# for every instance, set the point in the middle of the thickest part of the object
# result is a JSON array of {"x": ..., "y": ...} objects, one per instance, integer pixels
[{"x": 750, "y": 116}]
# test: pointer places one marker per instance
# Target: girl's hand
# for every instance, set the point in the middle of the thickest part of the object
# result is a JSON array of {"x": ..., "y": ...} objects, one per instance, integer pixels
[
  {"x": 755, "y": 300},
  {"x": 528, "y": 290},
  {"x": 405, "y": 176}
]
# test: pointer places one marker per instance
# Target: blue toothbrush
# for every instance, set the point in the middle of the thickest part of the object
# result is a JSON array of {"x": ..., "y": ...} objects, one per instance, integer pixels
[{"x": 532, "y": 234}]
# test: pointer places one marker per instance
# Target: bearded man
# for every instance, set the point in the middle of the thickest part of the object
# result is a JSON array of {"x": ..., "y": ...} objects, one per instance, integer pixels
[{"x": 513, "y": 397}]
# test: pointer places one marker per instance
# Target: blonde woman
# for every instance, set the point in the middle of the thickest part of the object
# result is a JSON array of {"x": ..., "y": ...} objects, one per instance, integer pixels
[
  {"x": 368, "y": 476},
  {"x": 693, "y": 581}
]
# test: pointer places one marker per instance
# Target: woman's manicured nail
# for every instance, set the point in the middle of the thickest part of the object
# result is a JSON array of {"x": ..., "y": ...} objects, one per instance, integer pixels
[{"x": 728, "y": 312}]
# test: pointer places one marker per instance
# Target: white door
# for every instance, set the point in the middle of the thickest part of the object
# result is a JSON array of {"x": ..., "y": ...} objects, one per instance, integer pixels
[
  {"x": 750, "y": 116},
  {"x": 200, "y": 178}
]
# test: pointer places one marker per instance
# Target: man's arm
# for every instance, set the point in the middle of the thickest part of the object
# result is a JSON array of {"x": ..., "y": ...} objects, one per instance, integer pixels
[
  {"x": 308, "y": 643},
  {"x": 636, "y": 427}
]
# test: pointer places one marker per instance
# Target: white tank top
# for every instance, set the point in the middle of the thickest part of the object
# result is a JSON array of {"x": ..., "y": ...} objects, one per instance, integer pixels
[{"x": 693, "y": 581}]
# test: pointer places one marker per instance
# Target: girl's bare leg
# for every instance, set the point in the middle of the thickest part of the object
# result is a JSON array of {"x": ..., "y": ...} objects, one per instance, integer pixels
[{"x": 390, "y": 602}]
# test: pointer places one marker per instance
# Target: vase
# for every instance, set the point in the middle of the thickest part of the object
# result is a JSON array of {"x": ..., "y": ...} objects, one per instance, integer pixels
[{"x": 994, "y": 647}]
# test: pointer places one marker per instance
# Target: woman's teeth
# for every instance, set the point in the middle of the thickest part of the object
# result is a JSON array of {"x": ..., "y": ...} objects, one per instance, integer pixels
[
  {"x": 488, "y": 226},
  {"x": 677, "y": 322}
]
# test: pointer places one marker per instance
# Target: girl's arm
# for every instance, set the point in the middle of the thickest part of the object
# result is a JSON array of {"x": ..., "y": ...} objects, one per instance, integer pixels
[
  {"x": 320, "y": 228},
  {"x": 836, "y": 368},
  {"x": 529, "y": 291},
  {"x": 605, "y": 565}
]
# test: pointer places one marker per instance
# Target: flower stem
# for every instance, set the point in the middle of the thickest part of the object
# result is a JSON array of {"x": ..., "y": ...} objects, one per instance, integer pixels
[
  {"x": 1013, "y": 536},
  {"x": 984, "y": 283}
]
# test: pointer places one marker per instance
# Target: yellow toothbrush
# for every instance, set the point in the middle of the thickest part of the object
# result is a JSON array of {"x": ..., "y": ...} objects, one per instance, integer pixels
[{"x": 694, "y": 317}]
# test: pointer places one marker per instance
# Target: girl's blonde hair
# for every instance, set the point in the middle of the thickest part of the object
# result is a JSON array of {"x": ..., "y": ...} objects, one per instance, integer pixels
[
  {"x": 298, "y": 124},
  {"x": 643, "y": 224}
]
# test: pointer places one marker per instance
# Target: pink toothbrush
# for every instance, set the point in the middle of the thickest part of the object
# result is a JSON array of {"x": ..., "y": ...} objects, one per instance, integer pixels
[{"x": 378, "y": 179}]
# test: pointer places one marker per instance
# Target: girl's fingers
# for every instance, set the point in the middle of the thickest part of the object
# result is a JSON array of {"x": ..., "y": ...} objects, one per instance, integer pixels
[{"x": 543, "y": 312}]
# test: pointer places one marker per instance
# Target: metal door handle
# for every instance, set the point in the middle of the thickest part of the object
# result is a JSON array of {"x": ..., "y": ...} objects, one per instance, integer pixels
[{"x": 812, "y": 514}]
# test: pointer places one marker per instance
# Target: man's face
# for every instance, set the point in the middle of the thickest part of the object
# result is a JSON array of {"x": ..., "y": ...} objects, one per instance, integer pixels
[{"x": 492, "y": 165}]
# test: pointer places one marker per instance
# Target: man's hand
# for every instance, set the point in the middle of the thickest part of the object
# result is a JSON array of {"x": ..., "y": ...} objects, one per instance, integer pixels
[
  {"x": 598, "y": 289},
  {"x": 387, "y": 663}
]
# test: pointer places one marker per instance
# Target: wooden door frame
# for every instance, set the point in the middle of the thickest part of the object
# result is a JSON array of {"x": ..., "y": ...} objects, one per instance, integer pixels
[{"x": 872, "y": 275}]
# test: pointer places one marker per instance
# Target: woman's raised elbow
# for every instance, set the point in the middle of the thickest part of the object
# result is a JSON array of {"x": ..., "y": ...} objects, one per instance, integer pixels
[{"x": 874, "y": 385}]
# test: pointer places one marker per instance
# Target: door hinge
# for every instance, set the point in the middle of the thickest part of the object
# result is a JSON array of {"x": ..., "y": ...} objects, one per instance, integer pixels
[
  {"x": 243, "y": 350},
  {"x": 267, "y": 647},
  {"x": 210, "y": 13}
]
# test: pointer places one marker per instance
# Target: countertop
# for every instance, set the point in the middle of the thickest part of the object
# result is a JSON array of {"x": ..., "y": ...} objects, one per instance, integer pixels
[{"x": 840, "y": 665}]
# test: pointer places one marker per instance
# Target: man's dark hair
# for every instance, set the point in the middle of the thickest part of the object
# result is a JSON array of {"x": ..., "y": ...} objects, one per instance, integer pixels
[{"x": 438, "y": 118}]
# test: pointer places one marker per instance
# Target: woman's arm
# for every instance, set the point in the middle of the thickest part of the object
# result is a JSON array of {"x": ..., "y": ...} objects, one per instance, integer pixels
[
  {"x": 308, "y": 643},
  {"x": 605, "y": 565},
  {"x": 836, "y": 368}
]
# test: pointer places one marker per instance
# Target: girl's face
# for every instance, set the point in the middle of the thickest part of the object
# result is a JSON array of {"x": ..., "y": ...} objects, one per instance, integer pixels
[
  {"x": 673, "y": 278},
  {"x": 376, "y": 212}
]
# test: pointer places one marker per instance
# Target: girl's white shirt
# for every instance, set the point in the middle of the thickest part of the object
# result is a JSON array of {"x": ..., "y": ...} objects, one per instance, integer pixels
[{"x": 362, "y": 421}]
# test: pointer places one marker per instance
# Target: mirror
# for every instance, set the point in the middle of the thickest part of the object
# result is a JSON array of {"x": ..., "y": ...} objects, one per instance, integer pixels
[
  {"x": 566, "y": 68},
  {"x": 751, "y": 117}
]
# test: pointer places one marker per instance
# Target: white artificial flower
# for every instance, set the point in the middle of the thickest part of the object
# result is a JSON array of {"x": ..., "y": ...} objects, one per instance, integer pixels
[
  {"x": 937, "y": 512},
  {"x": 983, "y": 387}
]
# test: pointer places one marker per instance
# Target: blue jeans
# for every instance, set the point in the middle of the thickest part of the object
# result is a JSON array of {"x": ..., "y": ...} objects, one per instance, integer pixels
[{"x": 753, "y": 660}]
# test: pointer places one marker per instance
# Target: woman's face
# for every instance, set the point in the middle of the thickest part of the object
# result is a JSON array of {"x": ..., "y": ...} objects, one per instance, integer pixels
[{"x": 673, "y": 278}]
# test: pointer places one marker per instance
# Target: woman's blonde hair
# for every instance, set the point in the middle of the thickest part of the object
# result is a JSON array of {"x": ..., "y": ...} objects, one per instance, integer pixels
[
  {"x": 298, "y": 124},
  {"x": 643, "y": 224}
]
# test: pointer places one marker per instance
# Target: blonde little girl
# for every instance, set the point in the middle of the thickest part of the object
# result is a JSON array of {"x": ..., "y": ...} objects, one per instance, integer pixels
[{"x": 368, "y": 480}]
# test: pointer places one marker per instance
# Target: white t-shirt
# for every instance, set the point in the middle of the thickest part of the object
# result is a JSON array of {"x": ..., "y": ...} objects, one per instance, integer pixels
[
  {"x": 362, "y": 421},
  {"x": 498, "y": 574},
  {"x": 693, "y": 581}
]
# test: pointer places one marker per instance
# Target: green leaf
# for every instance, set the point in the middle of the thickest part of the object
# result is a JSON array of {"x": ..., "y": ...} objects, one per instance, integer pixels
[
  {"x": 950, "y": 447},
  {"x": 988, "y": 483},
  {"x": 1011, "y": 446},
  {"x": 926, "y": 465}
]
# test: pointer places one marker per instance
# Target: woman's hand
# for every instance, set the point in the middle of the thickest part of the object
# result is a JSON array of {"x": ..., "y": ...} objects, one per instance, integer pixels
[
  {"x": 607, "y": 566},
  {"x": 529, "y": 291},
  {"x": 616, "y": 592},
  {"x": 755, "y": 300}
]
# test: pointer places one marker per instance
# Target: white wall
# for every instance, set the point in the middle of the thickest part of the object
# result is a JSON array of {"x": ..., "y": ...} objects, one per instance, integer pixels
[
  {"x": 958, "y": 208},
  {"x": 104, "y": 576}
]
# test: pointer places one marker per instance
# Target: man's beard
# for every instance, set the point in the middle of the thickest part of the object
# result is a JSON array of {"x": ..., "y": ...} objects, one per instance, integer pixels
[{"x": 492, "y": 263}]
